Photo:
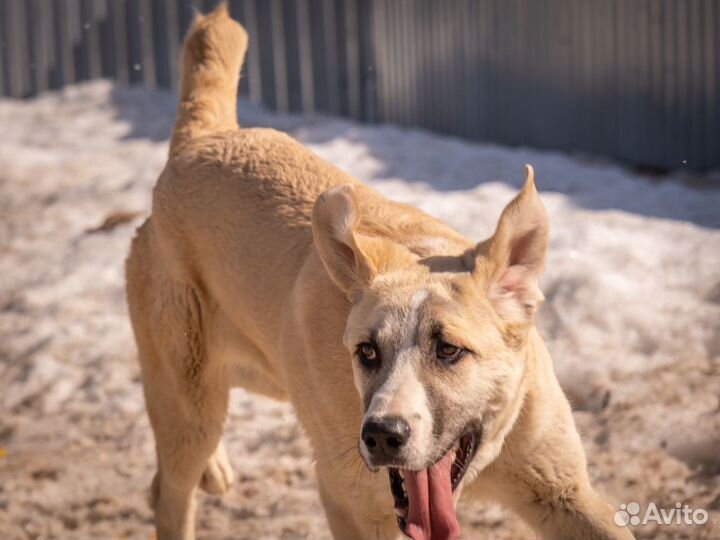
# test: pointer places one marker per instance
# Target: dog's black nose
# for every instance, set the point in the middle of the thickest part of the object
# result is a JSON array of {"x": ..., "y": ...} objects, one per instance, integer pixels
[{"x": 384, "y": 437}]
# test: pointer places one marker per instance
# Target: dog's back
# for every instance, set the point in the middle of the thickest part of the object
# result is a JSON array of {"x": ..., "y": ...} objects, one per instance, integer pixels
[{"x": 228, "y": 198}]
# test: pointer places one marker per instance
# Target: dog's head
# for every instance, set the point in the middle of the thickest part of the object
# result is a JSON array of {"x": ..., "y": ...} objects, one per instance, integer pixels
[{"x": 437, "y": 342}]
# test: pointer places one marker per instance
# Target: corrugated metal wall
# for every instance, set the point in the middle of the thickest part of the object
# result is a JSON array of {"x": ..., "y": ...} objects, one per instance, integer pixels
[
  {"x": 637, "y": 80},
  {"x": 305, "y": 55}
]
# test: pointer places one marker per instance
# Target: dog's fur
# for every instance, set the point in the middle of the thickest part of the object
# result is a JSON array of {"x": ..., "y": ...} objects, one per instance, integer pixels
[{"x": 263, "y": 267}]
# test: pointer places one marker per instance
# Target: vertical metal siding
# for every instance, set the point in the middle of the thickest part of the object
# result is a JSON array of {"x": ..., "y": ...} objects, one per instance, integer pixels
[
  {"x": 352, "y": 59},
  {"x": 638, "y": 80}
]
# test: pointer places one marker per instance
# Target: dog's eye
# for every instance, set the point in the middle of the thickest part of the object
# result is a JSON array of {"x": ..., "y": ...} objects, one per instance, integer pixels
[
  {"x": 448, "y": 352},
  {"x": 368, "y": 354}
]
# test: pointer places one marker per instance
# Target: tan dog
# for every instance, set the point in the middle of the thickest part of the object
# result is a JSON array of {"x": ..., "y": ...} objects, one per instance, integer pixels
[{"x": 264, "y": 267}]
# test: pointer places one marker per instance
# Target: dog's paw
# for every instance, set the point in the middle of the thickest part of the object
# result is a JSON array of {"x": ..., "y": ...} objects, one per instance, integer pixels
[{"x": 219, "y": 474}]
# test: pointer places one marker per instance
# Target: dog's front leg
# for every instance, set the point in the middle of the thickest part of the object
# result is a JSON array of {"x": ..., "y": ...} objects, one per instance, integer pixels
[
  {"x": 541, "y": 474},
  {"x": 560, "y": 510}
]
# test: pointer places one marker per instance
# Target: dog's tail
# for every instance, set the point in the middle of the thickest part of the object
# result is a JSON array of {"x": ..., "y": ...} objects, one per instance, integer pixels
[{"x": 211, "y": 60}]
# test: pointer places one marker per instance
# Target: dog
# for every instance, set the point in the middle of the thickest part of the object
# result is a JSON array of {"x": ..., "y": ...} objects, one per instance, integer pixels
[{"x": 264, "y": 267}]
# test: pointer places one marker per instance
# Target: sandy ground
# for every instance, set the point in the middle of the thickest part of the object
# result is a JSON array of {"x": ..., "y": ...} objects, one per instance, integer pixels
[{"x": 632, "y": 319}]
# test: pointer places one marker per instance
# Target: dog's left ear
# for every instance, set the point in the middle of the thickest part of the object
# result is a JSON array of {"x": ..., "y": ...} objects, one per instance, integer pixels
[
  {"x": 511, "y": 262},
  {"x": 335, "y": 220}
]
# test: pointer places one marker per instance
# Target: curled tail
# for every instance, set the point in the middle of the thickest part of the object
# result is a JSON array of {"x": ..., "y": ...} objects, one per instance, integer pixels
[{"x": 211, "y": 60}]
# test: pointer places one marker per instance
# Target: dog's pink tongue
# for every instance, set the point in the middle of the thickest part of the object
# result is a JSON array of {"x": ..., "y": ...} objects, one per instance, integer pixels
[{"x": 431, "y": 512}]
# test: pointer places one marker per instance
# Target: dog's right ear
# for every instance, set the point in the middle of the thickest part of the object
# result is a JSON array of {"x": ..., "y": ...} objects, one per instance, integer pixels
[{"x": 335, "y": 219}]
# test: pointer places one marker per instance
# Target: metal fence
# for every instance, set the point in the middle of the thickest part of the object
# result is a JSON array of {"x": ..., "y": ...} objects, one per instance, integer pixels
[{"x": 637, "y": 80}]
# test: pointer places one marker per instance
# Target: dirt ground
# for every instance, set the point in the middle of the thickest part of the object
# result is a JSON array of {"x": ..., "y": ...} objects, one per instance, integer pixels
[{"x": 632, "y": 319}]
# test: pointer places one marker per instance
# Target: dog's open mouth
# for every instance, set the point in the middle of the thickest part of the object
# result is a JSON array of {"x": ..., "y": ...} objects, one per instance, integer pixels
[{"x": 424, "y": 503}]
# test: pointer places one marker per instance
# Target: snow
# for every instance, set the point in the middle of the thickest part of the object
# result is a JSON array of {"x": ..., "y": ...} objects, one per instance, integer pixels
[{"x": 632, "y": 317}]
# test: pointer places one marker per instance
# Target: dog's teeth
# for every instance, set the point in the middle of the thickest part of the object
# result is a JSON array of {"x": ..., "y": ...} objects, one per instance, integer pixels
[
  {"x": 401, "y": 512},
  {"x": 402, "y": 474}
]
